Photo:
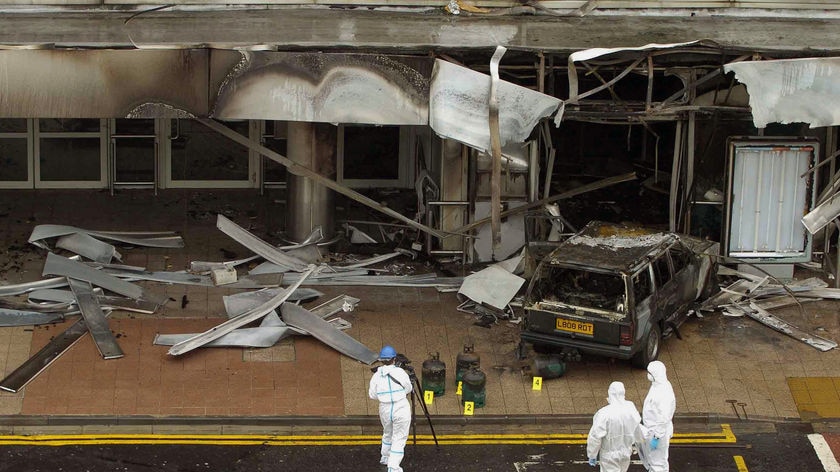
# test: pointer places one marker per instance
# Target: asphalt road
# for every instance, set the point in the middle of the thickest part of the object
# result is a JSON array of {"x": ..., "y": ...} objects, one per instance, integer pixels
[{"x": 764, "y": 452}]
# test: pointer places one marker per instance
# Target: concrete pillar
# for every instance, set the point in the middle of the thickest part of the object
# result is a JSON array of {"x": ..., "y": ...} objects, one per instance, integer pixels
[{"x": 308, "y": 204}]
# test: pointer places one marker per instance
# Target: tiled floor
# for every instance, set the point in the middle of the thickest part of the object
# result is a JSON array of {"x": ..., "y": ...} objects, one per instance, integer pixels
[{"x": 717, "y": 359}]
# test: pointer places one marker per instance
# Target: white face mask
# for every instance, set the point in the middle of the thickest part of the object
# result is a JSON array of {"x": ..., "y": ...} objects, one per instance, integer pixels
[{"x": 650, "y": 377}]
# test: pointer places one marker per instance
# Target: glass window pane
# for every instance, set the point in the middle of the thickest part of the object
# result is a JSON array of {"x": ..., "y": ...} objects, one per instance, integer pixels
[
  {"x": 372, "y": 152},
  {"x": 135, "y": 126},
  {"x": 274, "y": 171},
  {"x": 134, "y": 160},
  {"x": 13, "y": 160},
  {"x": 69, "y": 125},
  {"x": 199, "y": 153},
  {"x": 13, "y": 125},
  {"x": 69, "y": 159}
]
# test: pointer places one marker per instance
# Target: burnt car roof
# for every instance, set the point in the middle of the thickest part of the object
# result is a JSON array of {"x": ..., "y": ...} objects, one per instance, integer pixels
[{"x": 610, "y": 246}]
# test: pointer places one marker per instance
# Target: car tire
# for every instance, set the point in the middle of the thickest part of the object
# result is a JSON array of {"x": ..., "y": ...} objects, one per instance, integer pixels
[{"x": 650, "y": 348}]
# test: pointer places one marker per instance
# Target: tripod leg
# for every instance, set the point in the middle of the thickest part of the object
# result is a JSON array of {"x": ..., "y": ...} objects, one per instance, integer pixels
[
  {"x": 413, "y": 418},
  {"x": 418, "y": 388}
]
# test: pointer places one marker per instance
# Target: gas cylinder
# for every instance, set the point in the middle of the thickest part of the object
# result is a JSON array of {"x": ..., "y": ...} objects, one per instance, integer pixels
[
  {"x": 472, "y": 389},
  {"x": 464, "y": 360},
  {"x": 434, "y": 374},
  {"x": 547, "y": 366}
]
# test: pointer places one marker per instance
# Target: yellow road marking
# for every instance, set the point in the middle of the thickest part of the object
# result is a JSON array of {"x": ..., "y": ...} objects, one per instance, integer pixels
[
  {"x": 739, "y": 462},
  {"x": 724, "y": 436}
]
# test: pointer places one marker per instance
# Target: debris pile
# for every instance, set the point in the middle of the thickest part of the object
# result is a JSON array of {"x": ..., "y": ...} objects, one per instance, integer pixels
[
  {"x": 91, "y": 284},
  {"x": 754, "y": 296}
]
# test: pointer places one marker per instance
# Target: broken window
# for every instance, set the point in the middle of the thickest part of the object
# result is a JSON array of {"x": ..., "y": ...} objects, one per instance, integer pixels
[
  {"x": 13, "y": 150},
  {"x": 680, "y": 258},
  {"x": 199, "y": 153},
  {"x": 642, "y": 285},
  {"x": 581, "y": 288},
  {"x": 70, "y": 150},
  {"x": 662, "y": 270},
  {"x": 371, "y": 152}
]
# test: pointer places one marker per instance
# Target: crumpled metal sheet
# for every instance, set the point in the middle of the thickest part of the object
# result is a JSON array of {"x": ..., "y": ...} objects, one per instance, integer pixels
[
  {"x": 271, "y": 330},
  {"x": 459, "y": 110},
  {"x": 104, "y": 83},
  {"x": 252, "y": 315},
  {"x": 259, "y": 246},
  {"x": 86, "y": 245},
  {"x": 327, "y": 88},
  {"x": 165, "y": 239},
  {"x": 299, "y": 317},
  {"x": 792, "y": 90}
]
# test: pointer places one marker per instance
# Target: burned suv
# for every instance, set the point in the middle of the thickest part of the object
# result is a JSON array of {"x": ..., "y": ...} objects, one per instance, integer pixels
[{"x": 617, "y": 291}]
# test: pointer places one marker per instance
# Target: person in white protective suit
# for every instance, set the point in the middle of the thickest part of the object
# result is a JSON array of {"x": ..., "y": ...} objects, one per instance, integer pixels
[
  {"x": 613, "y": 431},
  {"x": 655, "y": 432},
  {"x": 391, "y": 385}
]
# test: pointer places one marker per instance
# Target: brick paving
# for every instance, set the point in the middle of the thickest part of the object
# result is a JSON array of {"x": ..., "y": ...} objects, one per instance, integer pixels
[{"x": 717, "y": 359}]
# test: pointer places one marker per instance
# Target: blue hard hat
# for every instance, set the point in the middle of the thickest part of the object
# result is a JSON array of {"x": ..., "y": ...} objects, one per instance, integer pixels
[{"x": 387, "y": 352}]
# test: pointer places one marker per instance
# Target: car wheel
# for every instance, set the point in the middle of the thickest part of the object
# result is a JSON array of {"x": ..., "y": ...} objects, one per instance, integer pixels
[{"x": 650, "y": 348}]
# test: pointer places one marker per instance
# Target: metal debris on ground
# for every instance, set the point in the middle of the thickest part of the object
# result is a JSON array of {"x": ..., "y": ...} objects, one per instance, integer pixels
[{"x": 752, "y": 295}]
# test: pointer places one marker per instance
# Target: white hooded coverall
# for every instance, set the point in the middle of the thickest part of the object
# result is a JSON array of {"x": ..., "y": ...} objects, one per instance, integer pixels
[
  {"x": 657, "y": 414},
  {"x": 391, "y": 385},
  {"x": 613, "y": 431}
]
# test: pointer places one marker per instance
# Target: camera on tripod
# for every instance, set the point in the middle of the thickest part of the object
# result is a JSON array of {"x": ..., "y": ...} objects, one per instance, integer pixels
[{"x": 403, "y": 362}]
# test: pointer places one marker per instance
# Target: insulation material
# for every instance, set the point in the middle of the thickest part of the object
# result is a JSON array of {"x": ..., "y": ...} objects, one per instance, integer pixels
[
  {"x": 792, "y": 90},
  {"x": 494, "y": 286},
  {"x": 328, "y": 88},
  {"x": 459, "y": 107}
]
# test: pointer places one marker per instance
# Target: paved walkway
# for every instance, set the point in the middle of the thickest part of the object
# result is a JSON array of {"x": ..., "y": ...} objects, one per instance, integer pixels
[{"x": 718, "y": 358}]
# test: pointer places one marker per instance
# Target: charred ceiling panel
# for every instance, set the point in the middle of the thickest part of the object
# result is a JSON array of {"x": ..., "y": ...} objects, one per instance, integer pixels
[
  {"x": 329, "y": 88},
  {"x": 460, "y": 108},
  {"x": 792, "y": 90},
  {"x": 103, "y": 83}
]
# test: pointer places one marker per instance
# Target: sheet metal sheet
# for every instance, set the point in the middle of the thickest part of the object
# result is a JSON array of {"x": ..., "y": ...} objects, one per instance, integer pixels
[
  {"x": 104, "y": 83},
  {"x": 43, "y": 358},
  {"x": 259, "y": 246},
  {"x": 822, "y": 215},
  {"x": 164, "y": 239},
  {"x": 792, "y": 90},
  {"x": 87, "y": 246},
  {"x": 327, "y": 88},
  {"x": 19, "y": 289},
  {"x": 233, "y": 323},
  {"x": 27, "y": 318},
  {"x": 58, "y": 265},
  {"x": 784, "y": 327},
  {"x": 239, "y": 303},
  {"x": 185, "y": 278},
  {"x": 493, "y": 285},
  {"x": 299, "y": 317},
  {"x": 459, "y": 110},
  {"x": 94, "y": 317}
]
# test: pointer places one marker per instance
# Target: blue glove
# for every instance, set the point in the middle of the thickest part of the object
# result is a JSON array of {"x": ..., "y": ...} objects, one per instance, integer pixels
[
  {"x": 654, "y": 443},
  {"x": 593, "y": 462}
]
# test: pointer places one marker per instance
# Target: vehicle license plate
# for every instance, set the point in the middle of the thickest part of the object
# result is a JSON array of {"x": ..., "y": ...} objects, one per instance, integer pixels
[{"x": 575, "y": 326}]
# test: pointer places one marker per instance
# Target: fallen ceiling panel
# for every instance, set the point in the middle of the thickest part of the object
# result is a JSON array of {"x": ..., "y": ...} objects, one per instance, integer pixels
[
  {"x": 299, "y": 317},
  {"x": 328, "y": 88},
  {"x": 792, "y": 90},
  {"x": 459, "y": 107},
  {"x": 104, "y": 83}
]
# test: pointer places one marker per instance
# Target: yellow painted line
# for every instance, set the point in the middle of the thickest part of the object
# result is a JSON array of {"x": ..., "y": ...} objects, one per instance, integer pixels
[
  {"x": 739, "y": 462},
  {"x": 725, "y": 436}
]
